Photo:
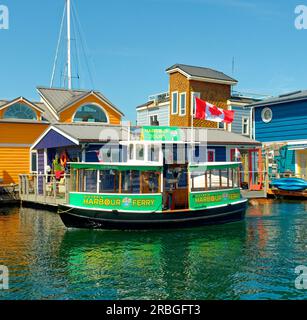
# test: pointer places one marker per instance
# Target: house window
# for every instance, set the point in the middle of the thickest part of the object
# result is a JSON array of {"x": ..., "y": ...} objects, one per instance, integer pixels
[
  {"x": 174, "y": 102},
  {"x": 20, "y": 111},
  {"x": 90, "y": 113},
  {"x": 267, "y": 115},
  {"x": 193, "y": 101},
  {"x": 34, "y": 161},
  {"x": 182, "y": 104},
  {"x": 154, "y": 120},
  {"x": 245, "y": 125},
  {"x": 222, "y": 125}
]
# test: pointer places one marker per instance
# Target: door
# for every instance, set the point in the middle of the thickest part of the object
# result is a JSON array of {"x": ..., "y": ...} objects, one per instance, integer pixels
[{"x": 304, "y": 166}]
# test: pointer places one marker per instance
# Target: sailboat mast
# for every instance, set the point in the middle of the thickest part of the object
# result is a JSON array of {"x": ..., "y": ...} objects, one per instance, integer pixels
[{"x": 69, "y": 46}]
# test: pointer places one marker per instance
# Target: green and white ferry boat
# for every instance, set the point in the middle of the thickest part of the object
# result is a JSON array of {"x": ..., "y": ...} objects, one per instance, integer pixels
[{"x": 152, "y": 196}]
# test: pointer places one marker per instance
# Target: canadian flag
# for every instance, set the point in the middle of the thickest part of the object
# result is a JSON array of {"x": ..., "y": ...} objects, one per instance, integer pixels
[{"x": 210, "y": 112}]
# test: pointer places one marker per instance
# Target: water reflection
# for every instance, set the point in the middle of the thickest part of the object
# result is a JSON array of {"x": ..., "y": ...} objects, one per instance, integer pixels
[
  {"x": 252, "y": 259},
  {"x": 157, "y": 265}
]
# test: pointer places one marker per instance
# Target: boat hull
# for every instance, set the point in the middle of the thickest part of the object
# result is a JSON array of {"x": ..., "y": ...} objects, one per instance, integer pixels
[
  {"x": 290, "y": 184},
  {"x": 98, "y": 219}
]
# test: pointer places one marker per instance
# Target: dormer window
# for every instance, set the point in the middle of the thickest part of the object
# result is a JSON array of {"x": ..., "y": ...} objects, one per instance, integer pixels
[
  {"x": 90, "y": 113},
  {"x": 20, "y": 111}
]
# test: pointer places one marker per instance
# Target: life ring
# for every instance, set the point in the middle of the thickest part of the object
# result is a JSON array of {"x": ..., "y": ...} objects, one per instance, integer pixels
[{"x": 63, "y": 159}]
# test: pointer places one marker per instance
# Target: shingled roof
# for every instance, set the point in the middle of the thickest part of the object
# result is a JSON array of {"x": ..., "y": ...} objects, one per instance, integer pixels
[
  {"x": 86, "y": 132},
  {"x": 284, "y": 98},
  {"x": 202, "y": 73}
]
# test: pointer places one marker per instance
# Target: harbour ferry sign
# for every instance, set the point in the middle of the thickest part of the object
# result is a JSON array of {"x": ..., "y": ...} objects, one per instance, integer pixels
[
  {"x": 4, "y": 17},
  {"x": 118, "y": 202}
]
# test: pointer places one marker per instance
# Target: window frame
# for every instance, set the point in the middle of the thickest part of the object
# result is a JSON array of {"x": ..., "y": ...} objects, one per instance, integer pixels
[
  {"x": 193, "y": 110},
  {"x": 153, "y": 115},
  {"x": 172, "y": 106},
  {"x": 247, "y": 124},
  {"x": 20, "y": 104},
  {"x": 31, "y": 161},
  {"x": 94, "y": 105},
  {"x": 180, "y": 103},
  {"x": 263, "y": 112}
]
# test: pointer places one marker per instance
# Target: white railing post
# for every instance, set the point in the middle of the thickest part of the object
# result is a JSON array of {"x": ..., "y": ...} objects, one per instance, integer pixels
[{"x": 54, "y": 186}]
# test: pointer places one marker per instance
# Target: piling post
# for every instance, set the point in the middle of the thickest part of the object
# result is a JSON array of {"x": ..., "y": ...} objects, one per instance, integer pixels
[
  {"x": 66, "y": 188},
  {"x": 44, "y": 187},
  {"x": 54, "y": 187}
]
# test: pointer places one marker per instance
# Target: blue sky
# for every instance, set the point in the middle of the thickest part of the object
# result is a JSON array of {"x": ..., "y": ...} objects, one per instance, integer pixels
[{"x": 131, "y": 43}]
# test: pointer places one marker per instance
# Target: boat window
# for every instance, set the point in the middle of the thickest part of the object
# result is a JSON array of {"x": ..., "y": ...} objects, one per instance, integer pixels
[
  {"x": 180, "y": 154},
  {"x": 108, "y": 181},
  {"x": 235, "y": 181},
  {"x": 73, "y": 180},
  {"x": 149, "y": 182},
  {"x": 183, "y": 179},
  {"x": 198, "y": 181},
  {"x": 130, "y": 181},
  {"x": 153, "y": 153},
  {"x": 90, "y": 181},
  {"x": 80, "y": 180},
  {"x": 214, "y": 180},
  {"x": 131, "y": 152},
  {"x": 139, "y": 152}
]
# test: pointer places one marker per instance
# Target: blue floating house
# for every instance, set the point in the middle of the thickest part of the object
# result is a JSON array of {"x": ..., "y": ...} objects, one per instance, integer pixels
[{"x": 280, "y": 123}]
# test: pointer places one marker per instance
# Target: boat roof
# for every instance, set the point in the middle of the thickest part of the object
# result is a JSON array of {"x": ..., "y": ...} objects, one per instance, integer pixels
[
  {"x": 150, "y": 166},
  {"x": 203, "y": 166},
  {"x": 120, "y": 166}
]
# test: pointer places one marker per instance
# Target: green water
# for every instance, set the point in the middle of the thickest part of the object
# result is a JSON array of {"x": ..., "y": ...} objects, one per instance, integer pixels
[{"x": 252, "y": 259}]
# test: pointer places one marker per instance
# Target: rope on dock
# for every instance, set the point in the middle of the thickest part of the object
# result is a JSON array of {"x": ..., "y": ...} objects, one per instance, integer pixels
[{"x": 65, "y": 211}]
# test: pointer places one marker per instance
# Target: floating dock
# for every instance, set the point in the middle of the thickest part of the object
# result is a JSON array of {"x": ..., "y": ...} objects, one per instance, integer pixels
[{"x": 287, "y": 194}]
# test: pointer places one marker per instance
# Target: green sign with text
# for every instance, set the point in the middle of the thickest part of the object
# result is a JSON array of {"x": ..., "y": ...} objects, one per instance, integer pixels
[
  {"x": 215, "y": 198},
  {"x": 161, "y": 134},
  {"x": 142, "y": 202}
]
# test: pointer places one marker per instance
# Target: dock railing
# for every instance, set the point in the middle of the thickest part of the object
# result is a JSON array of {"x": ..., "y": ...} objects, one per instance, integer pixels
[
  {"x": 44, "y": 188},
  {"x": 47, "y": 189}
]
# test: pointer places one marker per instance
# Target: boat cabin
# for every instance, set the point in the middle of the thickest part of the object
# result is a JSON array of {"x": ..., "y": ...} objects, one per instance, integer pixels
[{"x": 151, "y": 187}]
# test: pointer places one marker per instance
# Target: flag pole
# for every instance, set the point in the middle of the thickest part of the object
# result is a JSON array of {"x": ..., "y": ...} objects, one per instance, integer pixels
[{"x": 192, "y": 132}]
